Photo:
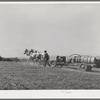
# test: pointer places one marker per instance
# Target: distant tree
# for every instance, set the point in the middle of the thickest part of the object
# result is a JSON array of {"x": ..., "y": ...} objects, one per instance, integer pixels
[{"x": 1, "y": 58}]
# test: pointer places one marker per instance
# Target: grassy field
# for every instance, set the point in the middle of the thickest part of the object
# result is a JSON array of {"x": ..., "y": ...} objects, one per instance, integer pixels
[{"x": 24, "y": 76}]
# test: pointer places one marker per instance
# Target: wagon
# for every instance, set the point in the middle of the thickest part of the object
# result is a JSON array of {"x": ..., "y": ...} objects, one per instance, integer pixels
[{"x": 85, "y": 63}]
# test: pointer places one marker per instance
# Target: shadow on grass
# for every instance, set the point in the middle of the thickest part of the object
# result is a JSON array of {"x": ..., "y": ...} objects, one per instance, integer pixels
[
  {"x": 92, "y": 71},
  {"x": 71, "y": 68},
  {"x": 95, "y": 71}
]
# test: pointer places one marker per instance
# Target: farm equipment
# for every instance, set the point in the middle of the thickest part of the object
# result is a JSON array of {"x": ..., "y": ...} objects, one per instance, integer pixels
[
  {"x": 60, "y": 61},
  {"x": 85, "y": 63}
]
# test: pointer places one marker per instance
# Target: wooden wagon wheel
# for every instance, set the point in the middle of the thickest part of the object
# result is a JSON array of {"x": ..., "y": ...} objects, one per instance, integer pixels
[
  {"x": 53, "y": 63},
  {"x": 85, "y": 67}
]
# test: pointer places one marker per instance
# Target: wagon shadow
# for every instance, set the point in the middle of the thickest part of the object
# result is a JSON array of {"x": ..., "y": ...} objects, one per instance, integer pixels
[
  {"x": 72, "y": 68},
  {"x": 95, "y": 71},
  {"x": 92, "y": 71}
]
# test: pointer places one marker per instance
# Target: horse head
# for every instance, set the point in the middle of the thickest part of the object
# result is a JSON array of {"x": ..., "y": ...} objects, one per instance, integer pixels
[{"x": 26, "y": 50}]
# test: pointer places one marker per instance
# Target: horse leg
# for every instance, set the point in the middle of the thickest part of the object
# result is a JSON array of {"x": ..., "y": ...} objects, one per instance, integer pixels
[
  {"x": 27, "y": 60},
  {"x": 37, "y": 63},
  {"x": 32, "y": 60}
]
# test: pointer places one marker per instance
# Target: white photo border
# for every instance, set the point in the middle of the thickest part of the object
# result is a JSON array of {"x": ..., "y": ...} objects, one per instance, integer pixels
[{"x": 50, "y": 94}]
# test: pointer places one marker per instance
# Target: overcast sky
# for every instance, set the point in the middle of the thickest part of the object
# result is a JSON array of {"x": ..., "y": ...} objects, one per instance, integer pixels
[{"x": 61, "y": 29}]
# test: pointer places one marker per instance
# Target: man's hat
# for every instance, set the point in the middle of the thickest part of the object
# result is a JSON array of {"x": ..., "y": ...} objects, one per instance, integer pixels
[{"x": 45, "y": 51}]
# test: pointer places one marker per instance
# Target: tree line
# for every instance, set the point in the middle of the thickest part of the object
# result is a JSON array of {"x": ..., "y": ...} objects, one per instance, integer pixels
[{"x": 9, "y": 59}]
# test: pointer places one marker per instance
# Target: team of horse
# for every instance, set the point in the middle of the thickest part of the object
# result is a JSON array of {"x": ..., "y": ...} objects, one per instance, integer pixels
[{"x": 35, "y": 56}]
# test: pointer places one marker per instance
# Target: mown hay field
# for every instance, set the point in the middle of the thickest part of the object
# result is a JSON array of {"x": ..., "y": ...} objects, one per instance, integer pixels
[{"x": 24, "y": 76}]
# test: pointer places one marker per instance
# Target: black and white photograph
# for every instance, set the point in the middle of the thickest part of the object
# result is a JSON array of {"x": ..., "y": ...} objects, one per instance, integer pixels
[{"x": 50, "y": 46}]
